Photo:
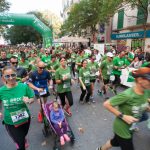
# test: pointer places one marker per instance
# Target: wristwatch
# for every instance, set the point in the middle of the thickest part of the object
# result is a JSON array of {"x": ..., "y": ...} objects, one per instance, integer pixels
[{"x": 120, "y": 115}]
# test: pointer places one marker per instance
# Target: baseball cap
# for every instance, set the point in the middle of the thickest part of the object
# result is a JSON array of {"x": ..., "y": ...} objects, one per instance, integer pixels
[
  {"x": 142, "y": 72},
  {"x": 109, "y": 54}
]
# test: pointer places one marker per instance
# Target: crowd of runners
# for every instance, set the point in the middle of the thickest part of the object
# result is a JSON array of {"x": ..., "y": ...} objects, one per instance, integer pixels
[{"x": 30, "y": 73}]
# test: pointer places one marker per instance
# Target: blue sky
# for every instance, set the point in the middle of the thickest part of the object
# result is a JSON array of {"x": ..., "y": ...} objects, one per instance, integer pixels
[{"x": 23, "y": 6}]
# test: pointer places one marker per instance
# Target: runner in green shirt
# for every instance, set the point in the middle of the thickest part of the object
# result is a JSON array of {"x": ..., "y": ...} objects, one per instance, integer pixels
[
  {"x": 52, "y": 67},
  {"x": 118, "y": 64},
  {"x": 46, "y": 58},
  {"x": 63, "y": 81},
  {"x": 25, "y": 63},
  {"x": 106, "y": 69},
  {"x": 131, "y": 104},
  {"x": 14, "y": 97},
  {"x": 94, "y": 68},
  {"x": 84, "y": 76}
]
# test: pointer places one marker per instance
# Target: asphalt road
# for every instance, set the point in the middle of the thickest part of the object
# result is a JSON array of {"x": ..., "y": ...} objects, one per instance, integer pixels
[{"x": 93, "y": 119}]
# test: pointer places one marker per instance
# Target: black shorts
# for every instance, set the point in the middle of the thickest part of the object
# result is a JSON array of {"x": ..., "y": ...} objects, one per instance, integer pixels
[
  {"x": 117, "y": 79},
  {"x": 46, "y": 95},
  {"x": 106, "y": 81},
  {"x": 125, "y": 144},
  {"x": 93, "y": 80}
]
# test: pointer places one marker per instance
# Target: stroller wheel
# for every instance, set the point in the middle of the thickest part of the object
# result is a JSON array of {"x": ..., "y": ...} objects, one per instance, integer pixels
[
  {"x": 72, "y": 141},
  {"x": 56, "y": 148},
  {"x": 44, "y": 132}
]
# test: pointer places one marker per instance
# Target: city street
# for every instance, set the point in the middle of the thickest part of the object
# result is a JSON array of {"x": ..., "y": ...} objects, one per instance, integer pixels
[{"x": 94, "y": 119}]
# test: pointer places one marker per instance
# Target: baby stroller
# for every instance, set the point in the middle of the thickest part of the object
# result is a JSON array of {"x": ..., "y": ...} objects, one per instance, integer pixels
[{"x": 48, "y": 126}]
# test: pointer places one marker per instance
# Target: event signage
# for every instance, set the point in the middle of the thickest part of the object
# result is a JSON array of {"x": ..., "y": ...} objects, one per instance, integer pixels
[{"x": 130, "y": 35}]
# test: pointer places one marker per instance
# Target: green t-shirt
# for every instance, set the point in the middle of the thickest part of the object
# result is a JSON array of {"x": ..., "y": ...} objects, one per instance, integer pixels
[
  {"x": 84, "y": 74},
  {"x": 129, "y": 103},
  {"x": 119, "y": 62},
  {"x": 79, "y": 60},
  {"x": 107, "y": 68},
  {"x": 93, "y": 69},
  {"x": 53, "y": 65},
  {"x": 15, "y": 110},
  {"x": 145, "y": 64},
  {"x": 73, "y": 57},
  {"x": 46, "y": 59},
  {"x": 25, "y": 64},
  {"x": 65, "y": 86}
]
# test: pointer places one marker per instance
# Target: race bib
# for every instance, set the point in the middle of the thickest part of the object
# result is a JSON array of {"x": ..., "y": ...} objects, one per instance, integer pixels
[
  {"x": 19, "y": 115},
  {"x": 43, "y": 92},
  {"x": 66, "y": 85},
  {"x": 87, "y": 81}
]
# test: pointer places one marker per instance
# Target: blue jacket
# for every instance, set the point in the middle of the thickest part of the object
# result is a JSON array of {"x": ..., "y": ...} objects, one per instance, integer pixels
[{"x": 58, "y": 116}]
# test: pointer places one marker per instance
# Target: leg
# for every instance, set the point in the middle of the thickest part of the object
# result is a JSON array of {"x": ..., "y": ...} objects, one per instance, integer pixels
[
  {"x": 82, "y": 94},
  {"x": 88, "y": 88},
  {"x": 18, "y": 134},
  {"x": 69, "y": 98},
  {"x": 58, "y": 130},
  {"x": 62, "y": 98},
  {"x": 92, "y": 88}
]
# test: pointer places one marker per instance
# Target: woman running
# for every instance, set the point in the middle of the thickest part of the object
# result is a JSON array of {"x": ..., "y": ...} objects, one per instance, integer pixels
[
  {"x": 84, "y": 78},
  {"x": 63, "y": 80},
  {"x": 14, "y": 97},
  {"x": 131, "y": 105}
]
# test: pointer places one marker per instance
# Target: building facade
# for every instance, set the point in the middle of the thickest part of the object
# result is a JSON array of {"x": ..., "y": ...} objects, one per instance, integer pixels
[{"x": 131, "y": 28}]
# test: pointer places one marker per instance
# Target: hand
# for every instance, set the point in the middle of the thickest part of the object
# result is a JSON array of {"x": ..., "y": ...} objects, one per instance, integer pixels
[
  {"x": 40, "y": 90},
  {"x": 1, "y": 115},
  {"x": 129, "y": 119},
  {"x": 72, "y": 81},
  {"x": 26, "y": 99},
  {"x": 60, "y": 125},
  {"x": 64, "y": 78}
]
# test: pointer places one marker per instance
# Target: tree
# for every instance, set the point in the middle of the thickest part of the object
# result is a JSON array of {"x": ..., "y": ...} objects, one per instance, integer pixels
[
  {"x": 22, "y": 34},
  {"x": 4, "y": 5},
  {"x": 87, "y": 14}
]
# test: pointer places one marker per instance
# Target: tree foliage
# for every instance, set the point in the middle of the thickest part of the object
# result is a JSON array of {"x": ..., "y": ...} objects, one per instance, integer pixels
[
  {"x": 88, "y": 13},
  {"x": 4, "y": 5},
  {"x": 25, "y": 34}
]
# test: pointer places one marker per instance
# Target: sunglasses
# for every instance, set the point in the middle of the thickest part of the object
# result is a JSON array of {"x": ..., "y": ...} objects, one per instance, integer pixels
[
  {"x": 14, "y": 62},
  {"x": 10, "y": 75},
  {"x": 41, "y": 68}
]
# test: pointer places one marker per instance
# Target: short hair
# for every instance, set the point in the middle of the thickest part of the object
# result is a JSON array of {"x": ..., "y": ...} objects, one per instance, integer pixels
[
  {"x": 7, "y": 68},
  {"x": 14, "y": 57}
]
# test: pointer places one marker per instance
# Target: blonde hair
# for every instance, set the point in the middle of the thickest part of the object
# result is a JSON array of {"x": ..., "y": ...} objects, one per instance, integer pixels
[
  {"x": 8, "y": 68},
  {"x": 55, "y": 105}
]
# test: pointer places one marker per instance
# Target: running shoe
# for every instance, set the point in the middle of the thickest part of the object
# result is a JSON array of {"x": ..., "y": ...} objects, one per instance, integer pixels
[
  {"x": 68, "y": 111},
  {"x": 66, "y": 137},
  {"x": 99, "y": 92},
  {"x": 62, "y": 141},
  {"x": 40, "y": 119},
  {"x": 26, "y": 143},
  {"x": 98, "y": 148}
]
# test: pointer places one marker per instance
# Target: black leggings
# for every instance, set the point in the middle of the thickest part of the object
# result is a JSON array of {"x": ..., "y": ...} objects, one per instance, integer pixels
[
  {"x": 18, "y": 134},
  {"x": 88, "y": 91},
  {"x": 125, "y": 144},
  {"x": 69, "y": 97},
  {"x": 73, "y": 68}
]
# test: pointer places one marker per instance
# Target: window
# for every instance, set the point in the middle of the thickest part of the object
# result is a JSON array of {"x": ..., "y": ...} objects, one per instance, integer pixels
[
  {"x": 120, "y": 19},
  {"x": 137, "y": 43}
]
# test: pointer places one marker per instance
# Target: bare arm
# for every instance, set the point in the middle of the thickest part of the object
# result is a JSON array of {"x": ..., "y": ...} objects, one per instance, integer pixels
[{"x": 128, "y": 119}]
